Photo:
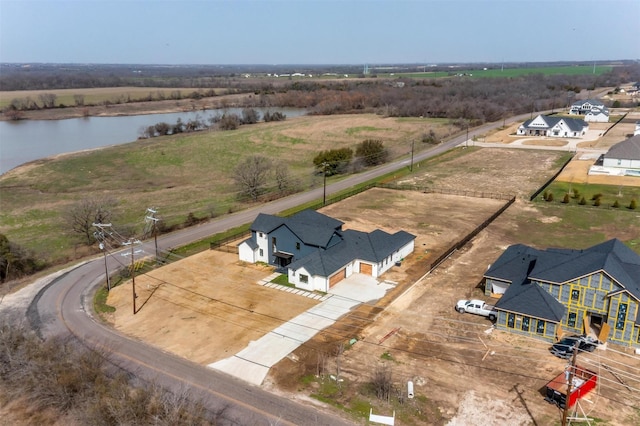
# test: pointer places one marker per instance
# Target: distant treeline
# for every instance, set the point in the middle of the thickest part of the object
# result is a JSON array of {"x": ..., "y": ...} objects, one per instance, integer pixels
[{"x": 457, "y": 98}]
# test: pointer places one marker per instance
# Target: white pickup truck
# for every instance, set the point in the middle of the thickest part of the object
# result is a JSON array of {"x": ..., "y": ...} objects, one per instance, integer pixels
[{"x": 477, "y": 307}]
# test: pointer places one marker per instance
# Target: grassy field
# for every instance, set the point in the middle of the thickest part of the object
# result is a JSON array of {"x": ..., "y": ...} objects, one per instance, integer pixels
[
  {"x": 184, "y": 174},
  {"x": 178, "y": 175},
  {"x": 96, "y": 96}
]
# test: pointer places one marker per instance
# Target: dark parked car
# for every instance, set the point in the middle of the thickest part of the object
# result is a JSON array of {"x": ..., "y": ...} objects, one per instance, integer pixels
[{"x": 565, "y": 347}]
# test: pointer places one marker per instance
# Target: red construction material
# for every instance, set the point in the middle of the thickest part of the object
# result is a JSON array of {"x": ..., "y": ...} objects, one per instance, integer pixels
[
  {"x": 583, "y": 381},
  {"x": 389, "y": 334}
]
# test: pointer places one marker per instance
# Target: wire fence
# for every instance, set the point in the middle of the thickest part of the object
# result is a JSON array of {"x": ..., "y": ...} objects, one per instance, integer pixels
[{"x": 446, "y": 191}]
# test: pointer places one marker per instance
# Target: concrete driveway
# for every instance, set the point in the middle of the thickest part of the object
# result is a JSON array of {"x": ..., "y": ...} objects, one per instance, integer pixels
[{"x": 253, "y": 362}]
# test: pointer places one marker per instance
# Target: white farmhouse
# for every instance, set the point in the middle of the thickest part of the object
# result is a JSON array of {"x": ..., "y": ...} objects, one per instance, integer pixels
[{"x": 559, "y": 127}]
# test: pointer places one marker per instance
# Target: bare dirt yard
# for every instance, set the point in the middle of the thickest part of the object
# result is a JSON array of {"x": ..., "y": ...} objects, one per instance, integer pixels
[
  {"x": 205, "y": 307},
  {"x": 464, "y": 371}
]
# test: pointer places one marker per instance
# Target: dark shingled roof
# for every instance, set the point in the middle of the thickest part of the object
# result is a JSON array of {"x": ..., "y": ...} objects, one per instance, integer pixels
[
  {"x": 371, "y": 247},
  {"x": 627, "y": 150},
  {"x": 520, "y": 265},
  {"x": 527, "y": 298},
  {"x": 311, "y": 227},
  {"x": 253, "y": 245},
  {"x": 575, "y": 124}
]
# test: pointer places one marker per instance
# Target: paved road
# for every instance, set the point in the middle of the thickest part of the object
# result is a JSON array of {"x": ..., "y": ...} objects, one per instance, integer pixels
[{"x": 60, "y": 308}]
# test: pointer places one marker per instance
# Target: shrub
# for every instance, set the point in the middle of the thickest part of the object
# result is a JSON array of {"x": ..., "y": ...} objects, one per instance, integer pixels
[
  {"x": 633, "y": 204},
  {"x": 229, "y": 122},
  {"x": 596, "y": 196},
  {"x": 372, "y": 152},
  {"x": 550, "y": 197},
  {"x": 565, "y": 200},
  {"x": 616, "y": 204},
  {"x": 597, "y": 202},
  {"x": 582, "y": 201},
  {"x": 333, "y": 161},
  {"x": 576, "y": 193},
  {"x": 276, "y": 116}
]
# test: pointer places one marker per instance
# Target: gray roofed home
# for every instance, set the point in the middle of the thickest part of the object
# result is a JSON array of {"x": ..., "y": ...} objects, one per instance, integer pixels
[
  {"x": 584, "y": 106},
  {"x": 553, "y": 126},
  {"x": 316, "y": 253},
  {"x": 547, "y": 293},
  {"x": 622, "y": 159}
]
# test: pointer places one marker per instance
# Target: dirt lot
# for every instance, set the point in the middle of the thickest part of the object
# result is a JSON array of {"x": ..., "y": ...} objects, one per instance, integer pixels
[
  {"x": 205, "y": 307},
  {"x": 463, "y": 371}
]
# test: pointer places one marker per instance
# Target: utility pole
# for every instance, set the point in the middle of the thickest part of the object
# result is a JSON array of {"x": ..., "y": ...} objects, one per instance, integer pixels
[
  {"x": 572, "y": 368},
  {"x": 466, "y": 142},
  {"x": 411, "y": 166},
  {"x": 131, "y": 242},
  {"x": 106, "y": 270},
  {"x": 324, "y": 185},
  {"x": 100, "y": 237},
  {"x": 133, "y": 279},
  {"x": 151, "y": 218}
]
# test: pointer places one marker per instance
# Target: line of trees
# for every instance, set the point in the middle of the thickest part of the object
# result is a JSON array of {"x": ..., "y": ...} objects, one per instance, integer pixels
[
  {"x": 59, "y": 382},
  {"x": 225, "y": 121},
  {"x": 481, "y": 100}
]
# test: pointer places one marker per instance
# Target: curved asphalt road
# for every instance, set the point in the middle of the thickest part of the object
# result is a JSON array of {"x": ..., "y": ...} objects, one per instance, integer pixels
[{"x": 60, "y": 309}]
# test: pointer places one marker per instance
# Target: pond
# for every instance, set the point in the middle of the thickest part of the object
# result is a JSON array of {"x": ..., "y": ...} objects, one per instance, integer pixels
[{"x": 28, "y": 140}]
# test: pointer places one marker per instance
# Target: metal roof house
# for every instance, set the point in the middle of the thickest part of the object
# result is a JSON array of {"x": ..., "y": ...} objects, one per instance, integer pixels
[
  {"x": 317, "y": 253},
  {"x": 546, "y": 293},
  {"x": 559, "y": 127},
  {"x": 622, "y": 159}
]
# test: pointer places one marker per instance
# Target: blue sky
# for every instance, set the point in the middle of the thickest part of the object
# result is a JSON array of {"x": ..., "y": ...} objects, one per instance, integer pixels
[{"x": 317, "y": 31}]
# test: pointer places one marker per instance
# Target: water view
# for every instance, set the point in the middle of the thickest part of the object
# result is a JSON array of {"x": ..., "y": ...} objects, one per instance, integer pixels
[{"x": 29, "y": 140}]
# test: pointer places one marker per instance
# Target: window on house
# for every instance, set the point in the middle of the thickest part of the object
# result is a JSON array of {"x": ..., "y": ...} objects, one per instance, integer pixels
[
  {"x": 260, "y": 234},
  {"x": 304, "y": 278},
  {"x": 525, "y": 323},
  {"x": 571, "y": 321},
  {"x": 575, "y": 295},
  {"x": 298, "y": 246},
  {"x": 261, "y": 252},
  {"x": 511, "y": 320},
  {"x": 540, "y": 327},
  {"x": 622, "y": 316}
]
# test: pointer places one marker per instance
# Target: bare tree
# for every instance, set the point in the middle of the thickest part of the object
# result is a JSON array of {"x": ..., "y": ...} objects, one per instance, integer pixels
[
  {"x": 79, "y": 100},
  {"x": 339, "y": 351},
  {"x": 284, "y": 180},
  {"x": 382, "y": 382},
  {"x": 250, "y": 116},
  {"x": 229, "y": 122},
  {"x": 251, "y": 175},
  {"x": 48, "y": 100},
  {"x": 82, "y": 215}
]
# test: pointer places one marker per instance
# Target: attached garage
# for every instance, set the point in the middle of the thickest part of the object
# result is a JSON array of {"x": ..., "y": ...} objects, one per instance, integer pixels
[
  {"x": 339, "y": 276},
  {"x": 366, "y": 268}
]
